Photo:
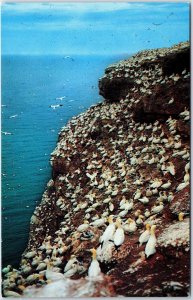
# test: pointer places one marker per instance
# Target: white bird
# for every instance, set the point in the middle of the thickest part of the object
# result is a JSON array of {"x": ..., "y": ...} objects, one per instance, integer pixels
[
  {"x": 72, "y": 271},
  {"x": 98, "y": 222},
  {"x": 55, "y": 106},
  {"x": 94, "y": 268},
  {"x": 119, "y": 235},
  {"x": 171, "y": 168},
  {"x": 137, "y": 194},
  {"x": 156, "y": 183},
  {"x": 144, "y": 200},
  {"x": 111, "y": 207},
  {"x": 30, "y": 254},
  {"x": 171, "y": 101},
  {"x": 69, "y": 264},
  {"x": 187, "y": 167},
  {"x": 151, "y": 244},
  {"x": 42, "y": 266},
  {"x": 105, "y": 252},
  {"x": 83, "y": 226},
  {"x": 6, "y": 133},
  {"x": 145, "y": 235},
  {"x": 148, "y": 193},
  {"x": 181, "y": 186},
  {"x": 166, "y": 185},
  {"x": 139, "y": 220},
  {"x": 109, "y": 231},
  {"x": 186, "y": 177},
  {"x": 128, "y": 205},
  {"x": 130, "y": 226},
  {"x": 123, "y": 201},
  {"x": 11, "y": 294},
  {"x": 6, "y": 269},
  {"x": 14, "y": 116},
  {"x": 147, "y": 213},
  {"x": 91, "y": 176},
  {"x": 157, "y": 209},
  {"x": 60, "y": 98},
  {"x": 53, "y": 276},
  {"x": 31, "y": 278}
]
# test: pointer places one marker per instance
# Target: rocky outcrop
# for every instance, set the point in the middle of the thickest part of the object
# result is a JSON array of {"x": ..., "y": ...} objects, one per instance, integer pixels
[
  {"x": 127, "y": 157},
  {"x": 167, "y": 94}
]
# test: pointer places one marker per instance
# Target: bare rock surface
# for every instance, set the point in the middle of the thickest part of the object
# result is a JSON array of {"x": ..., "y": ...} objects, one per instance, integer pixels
[{"x": 127, "y": 157}]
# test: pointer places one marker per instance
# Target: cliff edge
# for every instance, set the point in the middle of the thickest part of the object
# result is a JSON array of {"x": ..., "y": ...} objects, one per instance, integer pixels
[{"x": 128, "y": 158}]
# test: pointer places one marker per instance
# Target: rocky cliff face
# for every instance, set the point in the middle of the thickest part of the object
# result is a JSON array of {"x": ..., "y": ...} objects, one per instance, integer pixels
[{"x": 127, "y": 157}]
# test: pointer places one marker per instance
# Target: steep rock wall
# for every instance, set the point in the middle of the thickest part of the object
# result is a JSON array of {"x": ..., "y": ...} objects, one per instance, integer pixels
[{"x": 138, "y": 138}]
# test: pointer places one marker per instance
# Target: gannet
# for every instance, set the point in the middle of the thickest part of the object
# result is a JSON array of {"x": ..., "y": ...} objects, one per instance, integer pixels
[
  {"x": 98, "y": 222},
  {"x": 145, "y": 235},
  {"x": 181, "y": 186},
  {"x": 60, "y": 98},
  {"x": 94, "y": 268},
  {"x": 83, "y": 227},
  {"x": 109, "y": 231},
  {"x": 130, "y": 226},
  {"x": 71, "y": 261},
  {"x": 151, "y": 244},
  {"x": 157, "y": 209},
  {"x": 171, "y": 168},
  {"x": 166, "y": 185},
  {"x": 119, "y": 235},
  {"x": 30, "y": 254},
  {"x": 137, "y": 194}
]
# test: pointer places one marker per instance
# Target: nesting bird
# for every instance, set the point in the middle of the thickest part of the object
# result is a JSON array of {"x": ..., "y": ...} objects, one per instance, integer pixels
[
  {"x": 94, "y": 269},
  {"x": 144, "y": 237},
  {"x": 130, "y": 226},
  {"x": 157, "y": 209},
  {"x": 119, "y": 235},
  {"x": 109, "y": 231},
  {"x": 150, "y": 247},
  {"x": 83, "y": 227}
]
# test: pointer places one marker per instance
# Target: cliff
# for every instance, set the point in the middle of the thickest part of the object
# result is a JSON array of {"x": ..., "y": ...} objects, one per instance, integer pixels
[{"x": 127, "y": 157}]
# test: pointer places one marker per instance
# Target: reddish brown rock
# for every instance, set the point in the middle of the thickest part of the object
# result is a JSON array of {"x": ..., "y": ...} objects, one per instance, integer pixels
[
  {"x": 181, "y": 202},
  {"x": 108, "y": 154}
]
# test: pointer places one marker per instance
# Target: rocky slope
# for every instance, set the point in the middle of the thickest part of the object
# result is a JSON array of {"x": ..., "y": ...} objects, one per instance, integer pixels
[{"x": 127, "y": 157}]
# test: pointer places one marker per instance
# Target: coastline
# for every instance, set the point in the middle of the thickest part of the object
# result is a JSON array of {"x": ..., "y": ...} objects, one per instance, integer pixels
[{"x": 100, "y": 159}]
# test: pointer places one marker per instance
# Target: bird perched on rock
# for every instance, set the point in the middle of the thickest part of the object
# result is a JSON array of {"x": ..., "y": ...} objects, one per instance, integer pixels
[
  {"x": 151, "y": 244},
  {"x": 6, "y": 269},
  {"x": 119, "y": 235},
  {"x": 98, "y": 222},
  {"x": 181, "y": 186},
  {"x": 109, "y": 231},
  {"x": 69, "y": 264},
  {"x": 30, "y": 254},
  {"x": 130, "y": 226},
  {"x": 139, "y": 220},
  {"x": 144, "y": 237},
  {"x": 83, "y": 226},
  {"x": 157, "y": 209},
  {"x": 105, "y": 251},
  {"x": 94, "y": 269}
]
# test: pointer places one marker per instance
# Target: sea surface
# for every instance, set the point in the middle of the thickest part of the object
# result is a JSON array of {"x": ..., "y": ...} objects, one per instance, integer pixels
[{"x": 30, "y": 126}]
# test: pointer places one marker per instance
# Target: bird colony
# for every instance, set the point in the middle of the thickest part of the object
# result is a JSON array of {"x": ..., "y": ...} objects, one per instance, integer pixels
[{"x": 106, "y": 211}]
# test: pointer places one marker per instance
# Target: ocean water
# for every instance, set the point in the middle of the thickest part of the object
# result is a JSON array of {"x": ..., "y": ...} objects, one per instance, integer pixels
[{"x": 30, "y": 126}]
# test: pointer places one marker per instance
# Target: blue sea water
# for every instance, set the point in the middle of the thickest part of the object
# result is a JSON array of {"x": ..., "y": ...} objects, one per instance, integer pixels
[{"x": 30, "y": 126}]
